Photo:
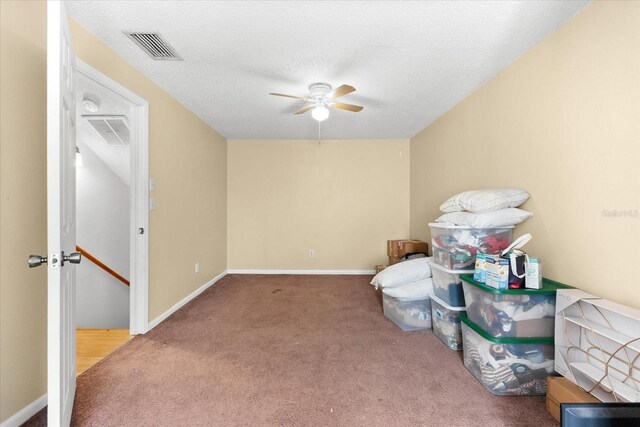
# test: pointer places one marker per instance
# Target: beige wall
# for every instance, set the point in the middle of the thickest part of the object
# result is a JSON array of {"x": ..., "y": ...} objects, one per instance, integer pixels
[
  {"x": 188, "y": 161},
  {"x": 563, "y": 122},
  {"x": 343, "y": 199},
  {"x": 23, "y": 204}
]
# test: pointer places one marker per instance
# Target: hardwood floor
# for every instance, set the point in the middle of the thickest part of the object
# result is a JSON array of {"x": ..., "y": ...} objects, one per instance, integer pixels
[{"x": 93, "y": 345}]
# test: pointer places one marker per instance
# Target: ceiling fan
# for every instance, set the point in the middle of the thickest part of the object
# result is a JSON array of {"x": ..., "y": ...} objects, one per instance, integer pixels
[{"x": 321, "y": 97}]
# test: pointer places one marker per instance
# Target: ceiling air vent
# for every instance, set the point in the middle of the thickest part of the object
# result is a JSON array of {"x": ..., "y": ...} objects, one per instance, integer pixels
[
  {"x": 113, "y": 129},
  {"x": 154, "y": 46}
]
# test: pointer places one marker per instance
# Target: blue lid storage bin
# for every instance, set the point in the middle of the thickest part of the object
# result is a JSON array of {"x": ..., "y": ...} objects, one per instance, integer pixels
[{"x": 507, "y": 366}]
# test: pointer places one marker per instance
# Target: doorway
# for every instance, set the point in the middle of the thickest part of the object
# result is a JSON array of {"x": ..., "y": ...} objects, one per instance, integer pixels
[{"x": 119, "y": 122}]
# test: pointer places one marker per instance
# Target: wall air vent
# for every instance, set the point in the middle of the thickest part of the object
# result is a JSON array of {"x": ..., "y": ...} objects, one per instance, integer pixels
[
  {"x": 113, "y": 129},
  {"x": 154, "y": 45}
]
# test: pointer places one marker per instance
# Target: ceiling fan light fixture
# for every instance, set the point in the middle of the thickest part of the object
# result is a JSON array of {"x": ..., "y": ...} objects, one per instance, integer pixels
[
  {"x": 320, "y": 113},
  {"x": 321, "y": 98}
]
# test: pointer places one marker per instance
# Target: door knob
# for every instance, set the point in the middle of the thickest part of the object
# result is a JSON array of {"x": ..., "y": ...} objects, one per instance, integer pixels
[
  {"x": 73, "y": 258},
  {"x": 36, "y": 260}
]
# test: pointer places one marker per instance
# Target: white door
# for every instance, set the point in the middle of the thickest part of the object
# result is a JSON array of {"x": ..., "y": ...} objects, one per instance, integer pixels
[{"x": 61, "y": 227}]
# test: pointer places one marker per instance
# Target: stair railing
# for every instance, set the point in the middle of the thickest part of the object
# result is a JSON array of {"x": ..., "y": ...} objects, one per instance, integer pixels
[{"x": 102, "y": 265}]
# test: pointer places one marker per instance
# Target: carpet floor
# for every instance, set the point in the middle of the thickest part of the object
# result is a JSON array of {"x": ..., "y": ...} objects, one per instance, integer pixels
[{"x": 289, "y": 351}]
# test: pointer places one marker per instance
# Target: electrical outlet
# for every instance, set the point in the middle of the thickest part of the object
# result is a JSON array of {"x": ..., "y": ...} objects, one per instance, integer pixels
[
  {"x": 312, "y": 253},
  {"x": 197, "y": 267}
]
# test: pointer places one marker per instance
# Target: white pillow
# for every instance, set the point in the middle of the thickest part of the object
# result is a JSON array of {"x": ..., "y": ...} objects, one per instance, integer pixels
[
  {"x": 402, "y": 273},
  {"x": 479, "y": 201},
  {"x": 500, "y": 218},
  {"x": 418, "y": 290}
]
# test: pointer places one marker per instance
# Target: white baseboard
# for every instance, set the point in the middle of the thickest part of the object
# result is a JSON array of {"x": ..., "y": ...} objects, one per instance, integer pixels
[
  {"x": 155, "y": 322},
  {"x": 329, "y": 272},
  {"x": 25, "y": 413}
]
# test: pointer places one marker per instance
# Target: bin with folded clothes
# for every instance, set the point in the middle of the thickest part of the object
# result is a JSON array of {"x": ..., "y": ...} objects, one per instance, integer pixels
[
  {"x": 507, "y": 366},
  {"x": 455, "y": 246},
  {"x": 406, "y": 289},
  {"x": 447, "y": 285},
  {"x": 476, "y": 222},
  {"x": 409, "y": 313},
  {"x": 445, "y": 321},
  {"x": 521, "y": 313}
]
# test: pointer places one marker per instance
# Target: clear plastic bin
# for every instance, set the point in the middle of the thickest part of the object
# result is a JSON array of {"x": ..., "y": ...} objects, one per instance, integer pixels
[
  {"x": 507, "y": 366},
  {"x": 447, "y": 285},
  {"x": 455, "y": 247},
  {"x": 521, "y": 313},
  {"x": 409, "y": 315},
  {"x": 446, "y": 323}
]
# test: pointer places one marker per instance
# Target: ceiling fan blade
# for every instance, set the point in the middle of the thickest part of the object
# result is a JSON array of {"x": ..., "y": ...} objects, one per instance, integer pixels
[
  {"x": 289, "y": 96},
  {"x": 304, "y": 109},
  {"x": 348, "y": 107},
  {"x": 340, "y": 91}
]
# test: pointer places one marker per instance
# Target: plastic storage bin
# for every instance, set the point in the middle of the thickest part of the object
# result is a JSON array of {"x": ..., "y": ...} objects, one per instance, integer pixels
[
  {"x": 447, "y": 285},
  {"x": 521, "y": 313},
  {"x": 455, "y": 247},
  {"x": 507, "y": 366},
  {"x": 446, "y": 323},
  {"x": 409, "y": 315}
]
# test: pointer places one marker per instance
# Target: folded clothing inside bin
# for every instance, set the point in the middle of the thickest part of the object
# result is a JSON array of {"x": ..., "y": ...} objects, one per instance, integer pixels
[{"x": 507, "y": 366}]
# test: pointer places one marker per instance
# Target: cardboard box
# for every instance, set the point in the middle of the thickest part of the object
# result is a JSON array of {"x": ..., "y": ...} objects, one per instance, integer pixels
[
  {"x": 391, "y": 247},
  {"x": 561, "y": 390},
  {"x": 400, "y": 248},
  {"x": 393, "y": 260},
  {"x": 380, "y": 267},
  {"x": 412, "y": 247}
]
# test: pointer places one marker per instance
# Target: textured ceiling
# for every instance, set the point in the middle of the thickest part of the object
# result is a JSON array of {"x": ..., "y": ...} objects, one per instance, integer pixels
[{"x": 409, "y": 61}]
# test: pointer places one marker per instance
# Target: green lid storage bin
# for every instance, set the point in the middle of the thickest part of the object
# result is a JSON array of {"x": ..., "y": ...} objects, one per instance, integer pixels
[
  {"x": 507, "y": 366},
  {"x": 519, "y": 313}
]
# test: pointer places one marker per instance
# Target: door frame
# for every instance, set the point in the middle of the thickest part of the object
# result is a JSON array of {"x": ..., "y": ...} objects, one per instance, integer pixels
[{"x": 138, "y": 198}]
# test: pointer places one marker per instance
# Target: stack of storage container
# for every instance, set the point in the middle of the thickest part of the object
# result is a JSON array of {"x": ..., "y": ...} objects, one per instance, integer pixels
[
  {"x": 454, "y": 253},
  {"x": 406, "y": 290},
  {"x": 508, "y": 336},
  {"x": 447, "y": 302}
]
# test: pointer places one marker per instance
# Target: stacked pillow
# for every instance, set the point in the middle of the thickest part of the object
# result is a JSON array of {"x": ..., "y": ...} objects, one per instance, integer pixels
[
  {"x": 408, "y": 279},
  {"x": 486, "y": 208}
]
